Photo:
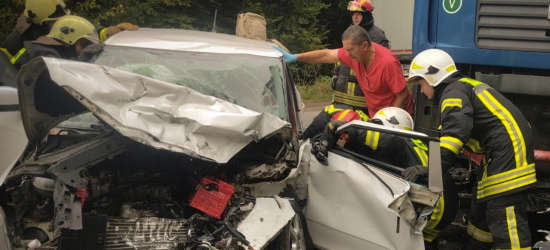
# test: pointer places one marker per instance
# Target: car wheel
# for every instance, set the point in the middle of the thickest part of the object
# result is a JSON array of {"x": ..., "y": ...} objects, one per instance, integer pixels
[{"x": 295, "y": 235}]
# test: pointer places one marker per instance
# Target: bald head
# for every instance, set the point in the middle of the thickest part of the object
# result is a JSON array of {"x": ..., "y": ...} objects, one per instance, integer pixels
[{"x": 356, "y": 34}]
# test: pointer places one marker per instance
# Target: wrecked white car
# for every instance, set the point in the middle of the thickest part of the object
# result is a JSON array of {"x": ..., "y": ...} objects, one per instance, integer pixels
[
  {"x": 164, "y": 142},
  {"x": 175, "y": 139}
]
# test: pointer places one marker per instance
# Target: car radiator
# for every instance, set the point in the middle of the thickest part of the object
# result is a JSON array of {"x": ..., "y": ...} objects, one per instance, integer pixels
[{"x": 145, "y": 233}]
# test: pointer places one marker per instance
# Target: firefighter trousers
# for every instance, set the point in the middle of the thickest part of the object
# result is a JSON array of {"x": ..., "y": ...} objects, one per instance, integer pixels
[{"x": 500, "y": 223}]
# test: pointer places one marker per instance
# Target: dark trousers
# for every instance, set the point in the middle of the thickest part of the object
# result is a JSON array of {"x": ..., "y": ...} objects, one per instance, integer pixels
[{"x": 500, "y": 223}]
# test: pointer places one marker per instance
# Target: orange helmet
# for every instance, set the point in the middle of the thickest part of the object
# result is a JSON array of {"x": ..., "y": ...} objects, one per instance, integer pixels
[
  {"x": 360, "y": 6},
  {"x": 346, "y": 115}
]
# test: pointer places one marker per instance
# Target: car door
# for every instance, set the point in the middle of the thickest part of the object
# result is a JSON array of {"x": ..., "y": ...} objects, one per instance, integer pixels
[{"x": 354, "y": 204}]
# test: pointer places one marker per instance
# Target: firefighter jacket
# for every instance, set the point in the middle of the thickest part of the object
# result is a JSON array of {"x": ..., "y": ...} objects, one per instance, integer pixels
[
  {"x": 480, "y": 119},
  {"x": 406, "y": 152},
  {"x": 15, "y": 45},
  {"x": 345, "y": 85},
  {"x": 46, "y": 47}
]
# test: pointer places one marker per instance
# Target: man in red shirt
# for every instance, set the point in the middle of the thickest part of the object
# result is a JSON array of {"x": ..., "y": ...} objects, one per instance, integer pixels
[{"x": 377, "y": 70}]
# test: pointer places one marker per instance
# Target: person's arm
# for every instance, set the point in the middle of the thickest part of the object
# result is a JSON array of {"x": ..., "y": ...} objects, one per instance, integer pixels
[
  {"x": 319, "y": 56},
  {"x": 401, "y": 98}
]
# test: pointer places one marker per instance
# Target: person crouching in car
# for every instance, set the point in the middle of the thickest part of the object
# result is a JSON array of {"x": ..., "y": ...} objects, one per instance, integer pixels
[{"x": 409, "y": 154}]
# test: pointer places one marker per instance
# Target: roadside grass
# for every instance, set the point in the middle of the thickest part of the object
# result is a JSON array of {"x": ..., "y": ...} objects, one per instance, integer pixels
[{"x": 319, "y": 91}]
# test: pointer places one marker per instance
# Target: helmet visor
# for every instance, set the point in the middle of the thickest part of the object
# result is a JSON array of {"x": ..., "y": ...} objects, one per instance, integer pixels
[{"x": 356, "y": 6}]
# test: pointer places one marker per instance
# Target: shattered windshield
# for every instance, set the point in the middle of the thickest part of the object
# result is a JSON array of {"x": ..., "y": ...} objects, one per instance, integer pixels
[{"x": 252, "y": 82}]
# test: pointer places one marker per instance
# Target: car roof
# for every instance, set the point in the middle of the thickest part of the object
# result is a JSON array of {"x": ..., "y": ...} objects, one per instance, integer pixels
[{"x": 193, "y": 41}]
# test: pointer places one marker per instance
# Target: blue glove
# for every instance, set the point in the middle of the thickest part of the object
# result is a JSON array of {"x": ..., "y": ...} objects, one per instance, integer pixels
[{"x": 289, "y": 58}]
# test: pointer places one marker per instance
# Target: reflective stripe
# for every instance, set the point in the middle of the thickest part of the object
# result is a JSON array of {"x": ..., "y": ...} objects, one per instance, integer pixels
[
  {"x": 13, "y": 59},
  {"x": 506, "y": 181},
  {"x": 474, "y": 146},
  {"x": 512, "y": 227},
  {"x": 430, "y": 234},
  {"x": 364, "y": 117},
  {"x": 7, "y": 53},
  {"x": 471, "y": 81},
  {"x": 511, "y": 126},
  {"x": 351, "y": 72},
  {"x": 451, "y": 102},
  {"x": 479, "y": 234},
  {"x": 331, "y": 109},
  {"x": 422, "y": 156},
  {"x": 450, "y": 68},
  {"x": 451, "y": 143},
  {"x": 416, "y": 66},
  {"x": 343, "y": 114},
  {"x": 103, "y": 35},
  {"x": 419, "y": 144},
  {"x": 437, "y": 214},
  {"x": 357, "y": 101},
  {"x": 372, "y": 139}
]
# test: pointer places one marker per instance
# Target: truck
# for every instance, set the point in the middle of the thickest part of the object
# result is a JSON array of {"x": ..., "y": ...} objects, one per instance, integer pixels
[
  {"x": 398, "y": 28},
  {"x": 505, "y": 44}
]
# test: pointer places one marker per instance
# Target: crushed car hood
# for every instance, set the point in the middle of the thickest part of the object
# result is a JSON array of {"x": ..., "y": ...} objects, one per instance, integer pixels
[{"x": 152, "y": 112}]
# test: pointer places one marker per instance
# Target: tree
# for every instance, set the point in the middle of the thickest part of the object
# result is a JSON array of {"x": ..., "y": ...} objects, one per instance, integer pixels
[{"x": 295, "y": 23}]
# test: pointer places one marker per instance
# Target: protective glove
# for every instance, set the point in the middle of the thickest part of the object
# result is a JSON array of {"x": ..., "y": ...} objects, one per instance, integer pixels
[
  {"x": 330, "y": 128},
  {"x": 120, "y": 27},
  {"x": 412, "y": 173},
  {"x": 319, "y": 149},
  {"x": 289, "y": 58},
  {"x": 89, "y": 52}
]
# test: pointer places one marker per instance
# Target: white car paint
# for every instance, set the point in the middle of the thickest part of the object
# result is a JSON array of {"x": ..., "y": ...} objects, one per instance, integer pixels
[
  {"x": 159, "y": 114},
  {"x": 12, "y": 131},
  {"x": 270, "y": 215}
]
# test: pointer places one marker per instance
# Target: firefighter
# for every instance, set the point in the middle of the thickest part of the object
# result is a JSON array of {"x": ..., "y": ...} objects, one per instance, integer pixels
[
  {"x": 68, "y": 38},
  {"x": 345, "y": 85},
  {"x": 476, "y": 117},
  {"x": 38, "y": 19},
  {"x": 411, "y": 155},
  {"x": 320, "y": 121}
]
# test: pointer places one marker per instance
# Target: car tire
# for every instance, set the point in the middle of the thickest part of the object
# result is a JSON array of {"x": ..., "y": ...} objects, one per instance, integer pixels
[{"x": 295, "y": 235}]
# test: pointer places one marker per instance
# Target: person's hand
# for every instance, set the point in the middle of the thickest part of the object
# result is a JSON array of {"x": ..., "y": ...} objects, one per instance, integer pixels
[
  {"x": 412, "y": 173},
  {"x": 319, "y": 149},
  {"x": 331, "y": 127},
  {"x": 120, "y": 27},
  {"x": 89, "y": 52},
  {"x": 289, "y": 58}
]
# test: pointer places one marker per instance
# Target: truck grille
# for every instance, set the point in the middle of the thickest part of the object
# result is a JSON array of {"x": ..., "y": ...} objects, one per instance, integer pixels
[{"x": 522, "y": 25}]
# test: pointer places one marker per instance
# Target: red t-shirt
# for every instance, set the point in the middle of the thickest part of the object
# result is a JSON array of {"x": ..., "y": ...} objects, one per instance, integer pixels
[{"x": 381, "y": 81}]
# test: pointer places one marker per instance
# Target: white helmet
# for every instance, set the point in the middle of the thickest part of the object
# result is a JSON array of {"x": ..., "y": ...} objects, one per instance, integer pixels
[
  {"x": 433, "y": 65},
  {"x": 395, "y": 118}
]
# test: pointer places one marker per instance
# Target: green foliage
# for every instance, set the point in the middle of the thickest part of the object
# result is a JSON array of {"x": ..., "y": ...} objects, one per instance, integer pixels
[
  {"x": 10, "y": 10},
  {"x": 319, "y": 91},
  {"x": 301, "y": 25}
]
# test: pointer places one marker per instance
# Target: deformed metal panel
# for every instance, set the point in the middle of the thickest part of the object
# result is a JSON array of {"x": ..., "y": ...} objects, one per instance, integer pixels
[
  {"x": 270, "y": 215},
  {"x": 348, "y": 207},
  {"x": 163, "y": 115}
]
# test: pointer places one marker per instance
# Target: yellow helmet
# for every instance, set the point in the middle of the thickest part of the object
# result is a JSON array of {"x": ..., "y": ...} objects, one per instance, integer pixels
[
  {"x": 69, "y": 29},
  {"x": 39, "y": 11}
]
